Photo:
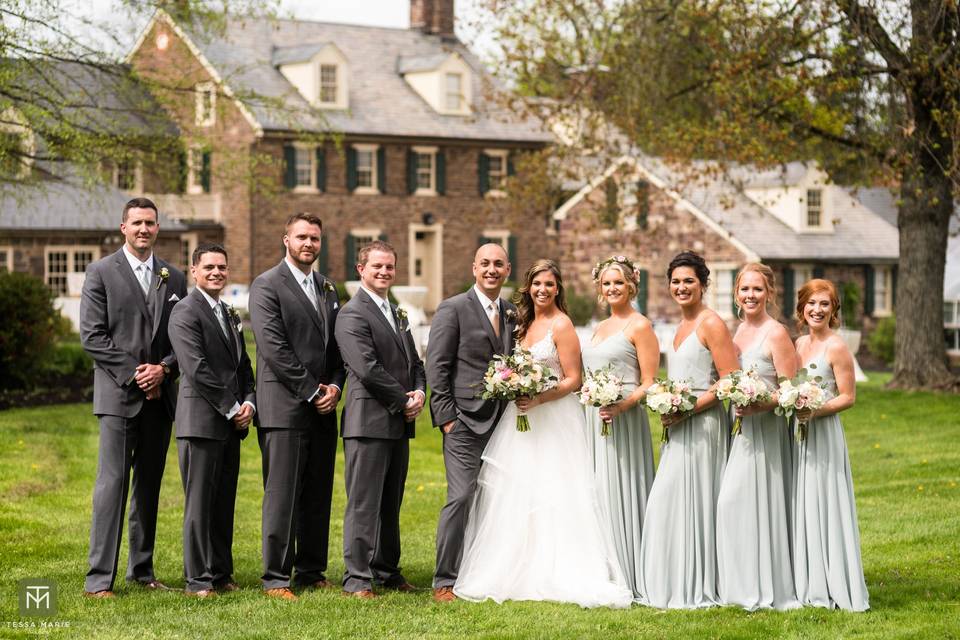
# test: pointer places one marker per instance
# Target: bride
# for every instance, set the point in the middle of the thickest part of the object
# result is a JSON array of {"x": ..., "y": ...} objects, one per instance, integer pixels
[{"x": 534, "y": 528}]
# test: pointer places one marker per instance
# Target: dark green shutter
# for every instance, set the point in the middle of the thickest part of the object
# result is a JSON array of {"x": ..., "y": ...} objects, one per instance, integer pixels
[
  {"x": 511, "y": 170},
  {"x": 483, "y": 172},
  {"x": 183, "y": 168},
  {"x": 869, "y": 290},
  {"x": 818, "y": 272},
  {"x": 482, "y": 240},
  {"x": 382, "y": 170},
  {"x": 382, "y": 237},
  {"x": 441, "y": 172},
  {"x": 733, "y": 285},
  {"x": 893, "y": 287},
  {"x": 289, "y": 166},
  {"x": 512, "y": 250},
  {"x": 643, "y": 291},
  {"x": 411, "y": 171},
  {"x": 643, "y": 204},
  {"x": 321, "y": 156},
  {"x": 205, "y": 171},
  {"x": 350, "y": 258},
  {"x": 789, "y": 292},
  {"x": 351, "y": 169},
  {"x": 323, "y": 262}
]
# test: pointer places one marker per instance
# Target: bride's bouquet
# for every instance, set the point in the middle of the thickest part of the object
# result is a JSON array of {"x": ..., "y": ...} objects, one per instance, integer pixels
[
  {"x": 601, "y": 388},
  {"x": 803, "y": 391},
  {"x": 511, "y": 376},
  {"x": 670, "y": 396},
  {"x": 742, "y": 388}
]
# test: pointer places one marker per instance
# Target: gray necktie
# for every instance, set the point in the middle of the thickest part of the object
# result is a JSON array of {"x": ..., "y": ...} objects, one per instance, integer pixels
[
  {"x": 218, "y": 310},
  {"x": 143, "y": 275},
  {"x": 311, "y": 294},
  {"x": 385, "y": 307}
]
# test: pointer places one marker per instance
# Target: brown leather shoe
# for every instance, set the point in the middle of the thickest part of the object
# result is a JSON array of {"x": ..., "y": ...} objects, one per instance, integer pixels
[
  {"x": 99, "y": 595},
  {"x": 281, "y": 593},
  {"x": 203, "y": 593},
  {"x": 365, "y": 594},
  {"x": 444, "y": 594},
  {"x": 227, "y": 587},
  {"x": 404, "y": 586},
  {"x": 153, "y": 585},
  {"x": 321, "y": 584}
]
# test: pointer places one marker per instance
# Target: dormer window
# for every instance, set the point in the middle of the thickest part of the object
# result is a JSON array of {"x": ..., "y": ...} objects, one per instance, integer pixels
[
  {"x": 454, "y": 92},
  {"x": 442, "y": 79},
  {"x": 814, "y": 208},
  {"x": 328, "y": 83},
  {"x": 206, "y": 104},
  {"x": 318, "y": 71}
]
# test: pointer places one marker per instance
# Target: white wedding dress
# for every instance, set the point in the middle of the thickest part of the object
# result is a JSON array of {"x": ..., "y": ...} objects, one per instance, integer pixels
[{"x": 534, "y": 528}]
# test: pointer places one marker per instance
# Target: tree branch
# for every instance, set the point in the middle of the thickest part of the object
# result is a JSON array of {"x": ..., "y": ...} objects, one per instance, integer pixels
[{"x": 865, "y": 21}]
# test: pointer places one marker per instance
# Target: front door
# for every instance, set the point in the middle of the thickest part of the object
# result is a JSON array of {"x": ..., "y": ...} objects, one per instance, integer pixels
[{"x": 426, "y": 262}]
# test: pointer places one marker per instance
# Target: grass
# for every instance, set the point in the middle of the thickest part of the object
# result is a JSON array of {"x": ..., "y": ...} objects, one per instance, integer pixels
[{"x": 906, "y": 462}]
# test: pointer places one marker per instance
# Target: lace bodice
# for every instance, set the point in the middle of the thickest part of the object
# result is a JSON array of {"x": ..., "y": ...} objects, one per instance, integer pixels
[{"x": 545, "y": 350}]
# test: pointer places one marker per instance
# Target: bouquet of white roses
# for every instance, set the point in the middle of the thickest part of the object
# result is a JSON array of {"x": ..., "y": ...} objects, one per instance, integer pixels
[
  {"x": 742, "y": 388},
  {"x": 601, "y": 388},
  {"x": 670, "y": 396},
  {"x": 804, "y": 391},
  {"x": 511, "y": 376}
]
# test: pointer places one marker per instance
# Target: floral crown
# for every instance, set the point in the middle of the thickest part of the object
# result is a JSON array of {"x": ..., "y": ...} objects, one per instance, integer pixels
[{"x": 623, "y": 261}]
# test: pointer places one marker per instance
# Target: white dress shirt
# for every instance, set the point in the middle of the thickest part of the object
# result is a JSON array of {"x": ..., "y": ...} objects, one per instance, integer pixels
[
  {"x": 137, "y": 265},
  {"x": 490, "y": 306},
  {"x": 384, "y": 305},
  {"x": 213, "y": 306}
]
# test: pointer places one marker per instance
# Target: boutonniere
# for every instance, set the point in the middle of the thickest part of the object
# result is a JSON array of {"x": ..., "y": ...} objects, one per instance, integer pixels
[
  {"x": 235, "y": 317},
  {"x": 510, "y": 315},
  {"x": 329, "y": 287},
  {"x": 164, "y": 274},
  {"x": 402, "y": 318}
]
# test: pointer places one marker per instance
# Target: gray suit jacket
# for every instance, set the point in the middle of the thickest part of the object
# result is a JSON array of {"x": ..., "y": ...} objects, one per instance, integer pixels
[
  {"x": 215, "y": 372},
  {"x": 120, "y": 331},
  {"x": 296, "y": 348},
  {"x": 382, "y": 366},
  {"x": 462, "y": 344}
]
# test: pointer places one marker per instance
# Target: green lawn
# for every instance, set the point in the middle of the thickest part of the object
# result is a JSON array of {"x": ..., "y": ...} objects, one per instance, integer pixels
[{"x": 906, "y": 461}]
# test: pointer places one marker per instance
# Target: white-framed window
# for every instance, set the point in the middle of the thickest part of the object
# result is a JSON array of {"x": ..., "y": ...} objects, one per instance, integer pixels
[
  {"x": 305, "y": 163},
  {"x": 496, "y": 170},
  {"x": 453, "y": 92},
  {"x": 882, "y": 291},
  {"x": 802, "y": 273},
  {"x": 128, "y": 175},
  {"x": 60, "y": 261},
  {"x": 206, "y": 96},
  {"x": 328, "y": 84},
  {"x": 6, "y": 258},
  {"x": 499, "y": 236},
  {"x": 719, "y": 296},
  {"x": 814, "y": 208},
  {"x": 195, "y": 171},
  {"x": 951, "y": 325},
  {"x": 188, "y": 242},
  {"x": 366, "y": 168},
  {"x": 361, "y": 238},
  {"x": 426, "y": 170}
]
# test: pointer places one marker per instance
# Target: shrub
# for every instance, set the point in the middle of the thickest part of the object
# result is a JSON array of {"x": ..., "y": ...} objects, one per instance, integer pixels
[
  {"x": 850, "y": 305},
  {"x": 580, "y": 308},
  {"x": 29, "y": 328},
  {"x": 881, "y": 343}
]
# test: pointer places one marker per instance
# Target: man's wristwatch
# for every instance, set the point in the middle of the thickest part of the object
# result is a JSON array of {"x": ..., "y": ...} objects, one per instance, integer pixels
[{"x": 165, "y": 367}]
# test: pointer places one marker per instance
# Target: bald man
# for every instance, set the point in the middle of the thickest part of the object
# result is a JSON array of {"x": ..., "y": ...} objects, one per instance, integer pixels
[{"x": 466, "y": 332}]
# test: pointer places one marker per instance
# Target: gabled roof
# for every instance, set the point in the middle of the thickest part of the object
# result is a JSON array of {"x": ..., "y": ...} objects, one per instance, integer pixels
[
  {"x": 414, "y": 64},
  {"x": 296, "y": 53},
  {"x": 380, "y": 100}
]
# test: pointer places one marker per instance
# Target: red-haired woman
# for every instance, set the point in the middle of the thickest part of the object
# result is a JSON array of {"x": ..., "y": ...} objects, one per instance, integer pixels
[{"x": 827, "y": 568}]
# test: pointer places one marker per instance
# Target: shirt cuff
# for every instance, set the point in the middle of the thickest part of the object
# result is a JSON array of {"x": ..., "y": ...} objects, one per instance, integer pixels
[
  {"x": 233, "y": 410},
  {"x": 339, "y": 390},
  {"x": 252, "y": 406},
  {"x": 423, "y": 396}
]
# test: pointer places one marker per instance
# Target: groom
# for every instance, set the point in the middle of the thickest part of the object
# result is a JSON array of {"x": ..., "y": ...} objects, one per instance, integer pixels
[{"x": 466, "y": 332}]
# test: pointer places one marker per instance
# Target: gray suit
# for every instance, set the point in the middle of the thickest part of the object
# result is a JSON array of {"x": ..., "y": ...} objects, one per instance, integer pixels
[
  {"x": 296, "y": 351},
  {"x": 382, "y": 366},
  {"x": 121, "y": 328},
  {"x": 216, "y": 374},
  {"x": 462, "y": 344}
]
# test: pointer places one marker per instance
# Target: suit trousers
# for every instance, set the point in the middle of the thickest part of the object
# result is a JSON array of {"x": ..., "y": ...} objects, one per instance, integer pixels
[
  {"x": 209, "y": 470},
  {"x": 375, "y": 471},
  {"x": 462, "y": 451},
  {"x": 138, "y": 443},
  {"x": 298, "y": 469}
]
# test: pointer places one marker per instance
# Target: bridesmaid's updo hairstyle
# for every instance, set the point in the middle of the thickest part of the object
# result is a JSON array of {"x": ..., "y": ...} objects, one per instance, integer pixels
[
  {"x": 524, "y": 300},
  {"x": 769, "y": 283},
  {"x": 695, "y": 262},
  {"x": 811, "y": 287}
]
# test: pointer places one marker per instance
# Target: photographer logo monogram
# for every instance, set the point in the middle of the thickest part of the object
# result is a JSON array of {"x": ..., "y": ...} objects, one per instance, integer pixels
[{"x": 38, "y": 597}]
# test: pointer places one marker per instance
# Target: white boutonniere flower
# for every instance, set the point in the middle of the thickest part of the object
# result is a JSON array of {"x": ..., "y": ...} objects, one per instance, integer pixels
[
  {"x": 402, "y": 318},
  {"x": 235, "y": 317},
  {"x": 510, "y": 315},
  {"x": 164, "y": 274},
  {"x": 329, "y": 287}
]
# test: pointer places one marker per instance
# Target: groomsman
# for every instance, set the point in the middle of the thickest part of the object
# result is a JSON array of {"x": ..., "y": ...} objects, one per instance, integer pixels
[
  {"x": 385, "y": 394},
  {"x": 214, "y": 409},
  {"x": 293, "y": 310},
  {"x": 126, "y": 302},
  {"x": 466, "y": 332}
]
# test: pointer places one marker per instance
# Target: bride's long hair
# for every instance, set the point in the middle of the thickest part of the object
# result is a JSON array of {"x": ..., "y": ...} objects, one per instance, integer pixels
[{"x": 525, "y": 309}]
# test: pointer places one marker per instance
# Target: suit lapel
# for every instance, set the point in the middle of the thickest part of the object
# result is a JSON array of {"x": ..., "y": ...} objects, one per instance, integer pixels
[
  {"x": 158, "y": 290},
  {"x": 374, "y": 309},
  {"x": 210, "y": 318},
  {"x": 322, "y": 303},
  {"x": 485, "y": 321},
  {"x": 126, "y": 272},
  {"x": 506, "y": 333},
  {"x": 298, "y": 293}
]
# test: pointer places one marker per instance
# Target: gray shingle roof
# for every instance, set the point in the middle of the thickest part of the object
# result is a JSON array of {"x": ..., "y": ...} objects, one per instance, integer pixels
[
  {"x": 296, "y": 53},
  {"x": 380, "y": 100}
]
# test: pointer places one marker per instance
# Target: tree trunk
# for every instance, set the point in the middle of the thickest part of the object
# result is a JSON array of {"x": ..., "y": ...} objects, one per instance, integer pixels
[{"x": 923, "y": 219}]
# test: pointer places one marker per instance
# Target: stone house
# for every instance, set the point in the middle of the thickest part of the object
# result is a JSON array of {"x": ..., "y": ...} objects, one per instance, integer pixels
[
  {"x": 382, "y": 132},
  {"x": 791, "y": 218}
]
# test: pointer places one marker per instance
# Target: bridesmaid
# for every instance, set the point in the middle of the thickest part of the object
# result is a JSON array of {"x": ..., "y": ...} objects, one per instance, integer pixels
[
  {"x": 753, "y": 534},
  {"x": 827, "y": 567},
  {"x": 623, "y": 461},
  {"x": 678, "y": 560}
]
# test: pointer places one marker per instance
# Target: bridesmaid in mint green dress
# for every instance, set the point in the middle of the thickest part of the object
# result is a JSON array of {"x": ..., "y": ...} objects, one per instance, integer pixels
[
  {"x": 827, "y": 567},
  {"x": 753, "y": 532},
  {"x": 623, "y": 460},
  {"x": 678, "y": 554}
]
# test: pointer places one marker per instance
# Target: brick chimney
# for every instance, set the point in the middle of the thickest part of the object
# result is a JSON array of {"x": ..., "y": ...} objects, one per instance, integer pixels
[{"x": 432, "y": 16}]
